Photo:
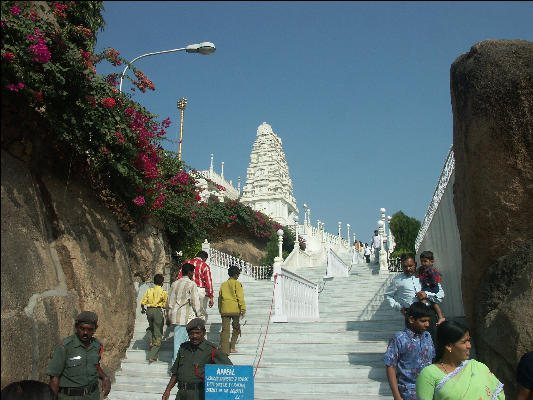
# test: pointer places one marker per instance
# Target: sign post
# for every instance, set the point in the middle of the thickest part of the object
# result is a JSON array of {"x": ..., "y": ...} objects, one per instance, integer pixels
[{"x": 229, "y": 382}]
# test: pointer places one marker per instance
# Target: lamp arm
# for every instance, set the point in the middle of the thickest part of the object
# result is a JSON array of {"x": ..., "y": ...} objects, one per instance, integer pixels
[{"x": 141, "y": 56}]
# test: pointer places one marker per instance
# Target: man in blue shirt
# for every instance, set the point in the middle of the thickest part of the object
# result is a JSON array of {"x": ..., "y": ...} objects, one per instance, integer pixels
[
  {"x": 408, "y": 352},
  {"x": 405, "y": 289}
]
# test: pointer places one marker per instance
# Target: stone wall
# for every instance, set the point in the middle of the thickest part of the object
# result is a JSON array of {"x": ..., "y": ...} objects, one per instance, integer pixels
[
  {"x": 63, "y": 252},
  {"x": 492, "y": 103},
  {"x": 442, "y": 238}
]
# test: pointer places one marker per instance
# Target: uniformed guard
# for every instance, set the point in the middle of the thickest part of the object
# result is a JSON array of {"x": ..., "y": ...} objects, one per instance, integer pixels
[
  {"x": 75, "y": 366},
  {"x": 188, "y": 369}
]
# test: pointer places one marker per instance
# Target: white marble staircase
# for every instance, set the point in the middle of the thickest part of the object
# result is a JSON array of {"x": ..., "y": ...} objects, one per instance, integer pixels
[{"x": 339, "y": 356}]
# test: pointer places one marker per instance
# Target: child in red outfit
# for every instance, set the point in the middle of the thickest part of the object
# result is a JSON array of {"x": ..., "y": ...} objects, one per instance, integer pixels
[{"x": 429, "y": 280}]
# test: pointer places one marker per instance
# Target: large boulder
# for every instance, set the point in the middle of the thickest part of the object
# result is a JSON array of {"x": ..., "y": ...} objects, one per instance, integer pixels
[
  {"x": 62, "y": 252},
  {"x": 505, "y": 309},
  {"x": 148, "y": 253},
  {"x": 492, "y": 103}
]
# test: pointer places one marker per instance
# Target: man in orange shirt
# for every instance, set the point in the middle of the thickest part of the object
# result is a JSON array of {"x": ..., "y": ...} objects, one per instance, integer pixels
[{"x": 202, "y": 277}]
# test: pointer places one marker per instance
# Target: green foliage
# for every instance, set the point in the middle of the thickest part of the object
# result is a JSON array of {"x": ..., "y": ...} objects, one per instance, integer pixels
[
  {"x": 49, "y": 79},
  {"x": 273, "y": 248},
  {"x": 405, "y": 229}
]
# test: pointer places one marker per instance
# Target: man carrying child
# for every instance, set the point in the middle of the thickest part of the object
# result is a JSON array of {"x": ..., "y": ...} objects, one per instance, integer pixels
[{"x": 405, "y": 289}]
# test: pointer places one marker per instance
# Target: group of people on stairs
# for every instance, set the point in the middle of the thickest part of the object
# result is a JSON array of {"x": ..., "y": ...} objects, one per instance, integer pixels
[{"x": 430, "y": 358}]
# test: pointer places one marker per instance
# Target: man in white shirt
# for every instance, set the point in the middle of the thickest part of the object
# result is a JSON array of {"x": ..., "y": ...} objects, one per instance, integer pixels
[
  {"x": 376, "y": 245},
  {"x": 405, "y": 289},
  {"x": 183, "y": 305}
]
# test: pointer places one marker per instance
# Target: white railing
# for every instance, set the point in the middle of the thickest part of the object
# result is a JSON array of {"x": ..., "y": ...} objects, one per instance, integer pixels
[
  {"x": 325, "y": 237},
  {"x": 336, "y": 268},
  {"x": 295, "y": 298},
  {"x": 447, "y": 171},
  {"x": 297, "y": 259},
  {"x": 219, "y": 259},
  {"x": 230, "y": 191}
]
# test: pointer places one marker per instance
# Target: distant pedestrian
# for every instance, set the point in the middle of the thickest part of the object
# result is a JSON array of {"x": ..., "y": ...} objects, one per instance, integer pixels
[
  {"x": 202, "y": 277},
  {"x": 376, "y": 245},
  {"x": 408, "y": 352},
  {"x": 155, "y": 299},
  {"x": 183, "y": 305},
  {"x": 75, "y": 366},
  {"x": 232, "y": 308},
  {"x": 367, "y": 253}
]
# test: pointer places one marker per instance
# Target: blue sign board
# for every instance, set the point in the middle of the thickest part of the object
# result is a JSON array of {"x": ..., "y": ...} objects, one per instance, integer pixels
[{"x": 229, "y": 382}]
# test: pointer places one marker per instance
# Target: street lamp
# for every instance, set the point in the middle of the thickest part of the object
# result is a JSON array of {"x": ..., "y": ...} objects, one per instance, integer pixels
[{"x": 200, "y": 48}]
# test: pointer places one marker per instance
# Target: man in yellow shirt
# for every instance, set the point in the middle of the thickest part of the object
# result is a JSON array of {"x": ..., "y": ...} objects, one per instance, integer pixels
[
  {"x": 231, "y": 307},
  {"x": 155, "y": 299}
]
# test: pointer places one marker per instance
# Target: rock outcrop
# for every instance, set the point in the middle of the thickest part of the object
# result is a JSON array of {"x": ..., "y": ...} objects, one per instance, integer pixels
[
  {"x": 492, "y": 103},
  {"x": 63, "y": 252},
  {"x": 505, "y": 305}
]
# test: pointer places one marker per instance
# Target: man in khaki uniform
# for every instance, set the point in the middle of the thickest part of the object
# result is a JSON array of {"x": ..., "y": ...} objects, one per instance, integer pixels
[
  {"x": 188, "y": 369},
  {"x": 75, "y": 366}
]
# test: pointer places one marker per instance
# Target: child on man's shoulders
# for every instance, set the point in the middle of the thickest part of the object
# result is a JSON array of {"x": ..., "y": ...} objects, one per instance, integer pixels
[{"x": 429, "y": 280}]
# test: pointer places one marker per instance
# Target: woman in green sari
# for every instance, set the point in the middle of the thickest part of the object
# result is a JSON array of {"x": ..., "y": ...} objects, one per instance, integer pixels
[{"x": 453, "y": 376}]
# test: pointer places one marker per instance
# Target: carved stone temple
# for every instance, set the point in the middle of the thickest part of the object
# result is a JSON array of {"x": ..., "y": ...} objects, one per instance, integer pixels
[{"x": 268, "y": 185}]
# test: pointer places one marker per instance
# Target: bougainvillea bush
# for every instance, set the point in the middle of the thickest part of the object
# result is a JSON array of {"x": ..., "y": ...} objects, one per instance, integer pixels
[{"x": 78, "y": 119}]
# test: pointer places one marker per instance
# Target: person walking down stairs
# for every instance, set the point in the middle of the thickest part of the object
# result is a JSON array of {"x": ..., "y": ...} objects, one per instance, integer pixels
[
  {"x": 232, "y": 308},
  {"x": 155, "y": 299}
]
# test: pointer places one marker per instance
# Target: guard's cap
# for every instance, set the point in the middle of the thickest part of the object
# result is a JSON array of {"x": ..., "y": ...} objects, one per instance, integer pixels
[
  {"x": 197, "y": 323},
  {"x": 87, "y": 317}
]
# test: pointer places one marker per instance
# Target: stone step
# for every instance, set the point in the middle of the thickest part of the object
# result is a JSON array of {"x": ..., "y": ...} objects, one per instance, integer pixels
[{"x": 251, "y": 334}]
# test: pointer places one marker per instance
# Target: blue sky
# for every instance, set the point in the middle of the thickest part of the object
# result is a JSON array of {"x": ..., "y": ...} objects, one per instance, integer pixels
[{"x": 357, "y": 91}]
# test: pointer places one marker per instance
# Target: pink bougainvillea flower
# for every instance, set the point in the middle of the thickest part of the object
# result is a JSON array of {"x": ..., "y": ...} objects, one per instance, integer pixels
[
  {"x": 166, "y": 123},
  {"x": 59, "y": 10},
  {"x": 15, "y": 88},
  {"x": 109, "y": 102},
  {"x": 233, "y": 217},
  {"x": 40, "y": 51},
  {"x": 8, "y": 56},
  {"x": 139, "y": 201},
  {"x": 104, "y": 150},
  {"x": 119, "y": 136},
  {"x": 15, "y": 10},
  {"x": 193, "y": 215},
  {"x": 38, "y": 96}
]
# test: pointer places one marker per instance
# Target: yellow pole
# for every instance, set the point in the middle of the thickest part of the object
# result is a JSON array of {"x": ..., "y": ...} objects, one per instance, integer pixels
[{"x": 181, "y": 106}]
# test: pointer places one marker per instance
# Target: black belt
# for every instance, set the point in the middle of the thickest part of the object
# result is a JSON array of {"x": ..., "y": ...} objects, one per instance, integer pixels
[
  {"x": 190, "y": 386},
  {"x": 79, "y": 391}
]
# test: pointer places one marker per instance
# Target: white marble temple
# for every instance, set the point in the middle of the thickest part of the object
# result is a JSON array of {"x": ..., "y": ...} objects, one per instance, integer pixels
[{"x": 268, "y": 185}]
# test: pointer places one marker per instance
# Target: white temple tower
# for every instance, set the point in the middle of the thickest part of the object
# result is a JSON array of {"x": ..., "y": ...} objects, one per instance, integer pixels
[{"x": 268, "y": 185}]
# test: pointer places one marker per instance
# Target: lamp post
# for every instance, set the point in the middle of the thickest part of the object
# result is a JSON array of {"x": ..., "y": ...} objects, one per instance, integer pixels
[
  {"x": 348, "y": 237},
  {"x": 383, "y": 267},
  {"x": 305, "y": 214},
  {"x": 280, "y": 244},
  {"x": 340, "y": 224},
  {"x": 296, "y": 243},
  {"x": 182, "y": 103},
  {"x": 200, "y": 48}
]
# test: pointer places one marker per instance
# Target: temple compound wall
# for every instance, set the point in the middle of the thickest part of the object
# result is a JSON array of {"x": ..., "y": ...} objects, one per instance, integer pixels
[{"x": 268, "y": 185}]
